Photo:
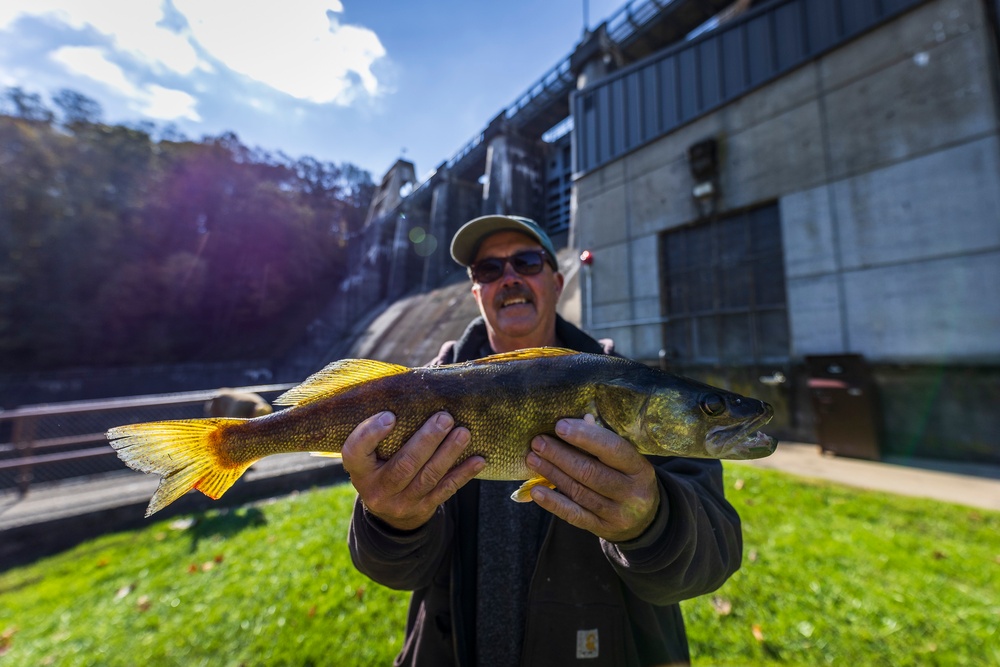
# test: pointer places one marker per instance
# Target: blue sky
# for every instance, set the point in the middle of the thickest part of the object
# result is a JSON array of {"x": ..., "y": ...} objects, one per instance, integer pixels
[{"x": 356, "y": 81}]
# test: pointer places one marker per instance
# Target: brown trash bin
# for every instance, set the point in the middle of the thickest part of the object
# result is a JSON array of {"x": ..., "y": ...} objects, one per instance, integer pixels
[{"x": 845, "y": 404}]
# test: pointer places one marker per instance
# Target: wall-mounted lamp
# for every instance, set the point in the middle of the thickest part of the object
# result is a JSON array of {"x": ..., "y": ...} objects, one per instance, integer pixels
[{"x": 703, "y": 161}]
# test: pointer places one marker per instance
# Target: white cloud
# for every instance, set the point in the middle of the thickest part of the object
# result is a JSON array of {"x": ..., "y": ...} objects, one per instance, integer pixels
[
  {"x": 293, "y": 47},
  {"x": 298, "y": 47},
  {"x": 167, "y": 104},
  {"x": 91, "y": 62},
  {"x": 152, "y": 100}
]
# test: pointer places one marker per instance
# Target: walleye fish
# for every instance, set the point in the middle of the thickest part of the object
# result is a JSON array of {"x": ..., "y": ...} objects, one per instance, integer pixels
[{"x": 504, "y": 400}]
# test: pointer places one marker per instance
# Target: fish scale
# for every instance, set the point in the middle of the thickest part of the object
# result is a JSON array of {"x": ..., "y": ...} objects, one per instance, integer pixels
[{"x": 504, "y": 400}]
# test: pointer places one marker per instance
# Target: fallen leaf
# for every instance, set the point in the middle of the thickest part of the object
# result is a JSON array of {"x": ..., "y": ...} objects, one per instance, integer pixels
[
  {"x": 104, "y": 562},
  {"x": 312, "y": 611},
  {"x": 752, "y": 556},
  {"x": 123, "y": 591},
  {"x": 205, "y": 567},
  {"x": 182, "y": 524},
  {"x": 218, "y": 558},
  {"x": 6, "y": 639},
  {"x": 739, "y": 484},
  {"x": 142, "y": 604},
  {"x": 758, "y": 634},
  {"x": 192, "y": 568},
  {"x": 359, "y": 594},
  {"x": 722, "y": 606},
  {"x": 939, "y": 555}
]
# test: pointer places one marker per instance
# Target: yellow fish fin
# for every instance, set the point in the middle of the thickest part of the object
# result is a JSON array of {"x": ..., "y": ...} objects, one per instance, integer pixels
[
  {"x": 183, "y": 452},
  {"x": 332, "y": 455},
  {"x": 526, "y": 353},
  {"x": 523, "y": 493},
  {"x": 338, "y": 377}
]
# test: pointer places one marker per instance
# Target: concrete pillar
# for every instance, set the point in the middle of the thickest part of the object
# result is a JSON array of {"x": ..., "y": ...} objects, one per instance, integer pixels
[
  {"x": 515, "y": 176},
  {"x": 595, "y": 57}
]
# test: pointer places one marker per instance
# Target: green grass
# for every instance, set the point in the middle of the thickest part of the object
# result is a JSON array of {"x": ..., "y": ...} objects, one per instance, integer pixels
[{"x": 831, "y": 575}]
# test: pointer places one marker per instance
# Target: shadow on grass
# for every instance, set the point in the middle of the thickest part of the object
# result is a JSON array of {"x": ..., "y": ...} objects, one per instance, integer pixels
[{"x": 225, "y": 523}]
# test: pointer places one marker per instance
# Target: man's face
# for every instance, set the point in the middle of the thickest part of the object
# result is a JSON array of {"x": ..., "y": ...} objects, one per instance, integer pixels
[{"x": 520, "y": 311}]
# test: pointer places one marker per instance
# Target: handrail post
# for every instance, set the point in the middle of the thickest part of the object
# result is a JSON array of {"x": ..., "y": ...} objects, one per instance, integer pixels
[{"x": 24, "y": 443}]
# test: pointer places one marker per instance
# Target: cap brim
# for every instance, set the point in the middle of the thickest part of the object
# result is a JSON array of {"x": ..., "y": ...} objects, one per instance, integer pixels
[{"x": 468, "y": 238}]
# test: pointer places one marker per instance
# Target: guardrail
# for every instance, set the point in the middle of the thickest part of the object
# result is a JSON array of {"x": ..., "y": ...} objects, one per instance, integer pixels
[{"x": 59, "y": 441}]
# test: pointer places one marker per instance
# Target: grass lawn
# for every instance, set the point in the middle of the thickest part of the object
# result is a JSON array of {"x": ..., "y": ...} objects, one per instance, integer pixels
[{"x": 831, "y": 575}]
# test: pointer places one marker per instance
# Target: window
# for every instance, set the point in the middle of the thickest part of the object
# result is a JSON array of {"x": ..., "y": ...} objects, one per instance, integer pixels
[{"x": 724, "y": 291}]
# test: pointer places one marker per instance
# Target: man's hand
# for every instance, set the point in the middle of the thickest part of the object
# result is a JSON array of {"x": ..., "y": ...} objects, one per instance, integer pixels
[
  {"x": 605, "y": 485},
  {"x": 405, "y": 491}
]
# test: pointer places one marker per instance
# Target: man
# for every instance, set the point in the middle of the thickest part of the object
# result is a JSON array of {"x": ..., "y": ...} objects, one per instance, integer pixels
[{"x": 592, "y": 570}]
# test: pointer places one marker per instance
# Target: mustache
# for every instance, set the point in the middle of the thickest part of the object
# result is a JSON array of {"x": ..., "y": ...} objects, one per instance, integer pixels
[{"x": 513, "y": 292}]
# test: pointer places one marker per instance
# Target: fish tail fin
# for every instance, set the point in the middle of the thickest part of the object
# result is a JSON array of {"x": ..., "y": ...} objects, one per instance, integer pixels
[
  {"x": 523, "y": 492},
  {"x": 185, "y": 453}
]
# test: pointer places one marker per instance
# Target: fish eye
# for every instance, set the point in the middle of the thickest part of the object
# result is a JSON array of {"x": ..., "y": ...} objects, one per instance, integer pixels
[{"x": 712, "y": 405}]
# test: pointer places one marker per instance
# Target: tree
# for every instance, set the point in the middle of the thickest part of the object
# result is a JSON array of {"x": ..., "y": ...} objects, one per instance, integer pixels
[
  {"x": 77, "y": 108},
  {"x": 28, "y": 106}
]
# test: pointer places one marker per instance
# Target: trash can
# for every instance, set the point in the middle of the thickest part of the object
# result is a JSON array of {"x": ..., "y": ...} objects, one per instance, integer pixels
[{"x": 845, "y": 404}]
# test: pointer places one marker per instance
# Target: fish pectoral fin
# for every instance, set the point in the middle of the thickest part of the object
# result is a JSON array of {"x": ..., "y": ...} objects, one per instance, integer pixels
[
  {"x": 332, "y": 455},
  {"x": 523, "y": 493}
]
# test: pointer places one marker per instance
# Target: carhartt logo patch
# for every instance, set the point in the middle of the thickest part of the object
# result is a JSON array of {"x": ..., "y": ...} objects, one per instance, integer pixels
[{"x": 587, "y": 645}]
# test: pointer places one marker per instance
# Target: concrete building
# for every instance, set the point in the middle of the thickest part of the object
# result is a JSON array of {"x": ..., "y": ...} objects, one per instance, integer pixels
[{"x": 808, "y": 199}]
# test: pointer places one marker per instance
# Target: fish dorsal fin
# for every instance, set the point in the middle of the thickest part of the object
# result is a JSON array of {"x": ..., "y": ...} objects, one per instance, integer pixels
[
  {"x": 526, "y": 353},
  {"x": 337, "y": 377}
]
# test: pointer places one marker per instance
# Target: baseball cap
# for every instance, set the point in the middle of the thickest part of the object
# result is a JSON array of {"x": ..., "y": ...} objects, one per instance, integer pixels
[{"x": 467, "y": 239}]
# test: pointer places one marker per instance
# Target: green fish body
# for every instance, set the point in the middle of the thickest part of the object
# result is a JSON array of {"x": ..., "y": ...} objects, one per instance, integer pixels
[{"x": 504, "y": 400}]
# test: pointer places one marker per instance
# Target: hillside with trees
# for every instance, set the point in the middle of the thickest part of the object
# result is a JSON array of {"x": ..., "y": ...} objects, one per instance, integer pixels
[{"x": 135, "y": 245}]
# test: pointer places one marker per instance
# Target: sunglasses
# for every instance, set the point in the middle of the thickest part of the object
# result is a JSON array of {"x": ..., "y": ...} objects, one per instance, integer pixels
[{"x": 525, "y": 263}]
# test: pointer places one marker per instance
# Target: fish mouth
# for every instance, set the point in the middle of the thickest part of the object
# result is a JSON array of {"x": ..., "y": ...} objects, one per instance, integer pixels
[{"x": 742, "y": 441}]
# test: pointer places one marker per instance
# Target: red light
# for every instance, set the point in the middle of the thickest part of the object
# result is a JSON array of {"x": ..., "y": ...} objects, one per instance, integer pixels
[{"x": 586, "y": 257}]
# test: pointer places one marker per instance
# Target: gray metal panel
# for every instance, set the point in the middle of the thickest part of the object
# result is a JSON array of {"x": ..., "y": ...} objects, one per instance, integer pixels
[
  {"x": 734, "y": 60},
  {"x": 634, "y": 109},
  {"x": 858, "y": 15},
  {"x": 711, "y": 79},
  {"x": 649, "y": 84},
  {"x": 791, "y": 47},
  {"x": 760, "y": 52},
  {"x": 619, "y": 100},
  {"x": 670, "y": 105},
  {"x": 822, "y": 25},
  {"x": 688, "y": 90}
]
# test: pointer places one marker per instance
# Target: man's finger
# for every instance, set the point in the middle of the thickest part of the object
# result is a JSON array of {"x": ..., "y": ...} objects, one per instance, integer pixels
[
  {"x": 580, "y": 477},
  {"x": 442, "y": 460},
  {"x": 609, "y": 448},
  {"x": 358, "y": 452},
  {"x": 404, "y": 466}
]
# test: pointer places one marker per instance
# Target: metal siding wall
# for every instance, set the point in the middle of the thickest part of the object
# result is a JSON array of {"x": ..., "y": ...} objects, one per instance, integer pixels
[
  {"x": 708, "y": 59},
  {"x": 688, "y": 90},
  {"x": 791, "y": 44},
  {"x": 650, "y": 117},
  {"x": 668, "y": 94},
  {"x": 650, "y": 99},
  {"x": 760, "y": 39}
]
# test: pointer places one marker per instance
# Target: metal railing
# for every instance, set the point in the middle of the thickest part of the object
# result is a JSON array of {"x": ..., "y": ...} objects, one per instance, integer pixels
[{"x": 59, "y": 441}]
